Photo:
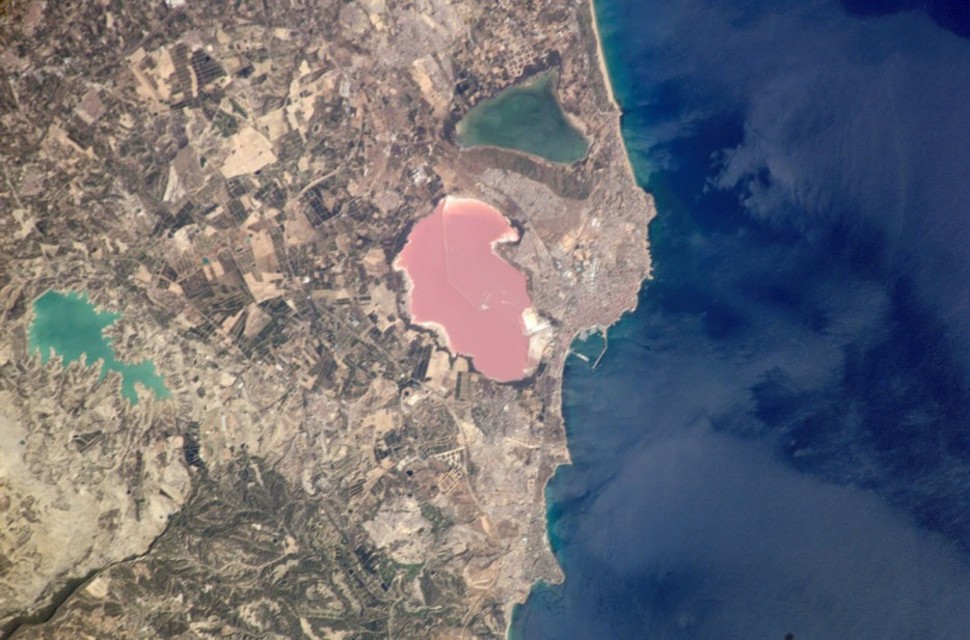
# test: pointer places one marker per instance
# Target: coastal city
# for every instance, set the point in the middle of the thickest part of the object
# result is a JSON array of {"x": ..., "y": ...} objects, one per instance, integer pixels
[{"x": 286, "y": 296}]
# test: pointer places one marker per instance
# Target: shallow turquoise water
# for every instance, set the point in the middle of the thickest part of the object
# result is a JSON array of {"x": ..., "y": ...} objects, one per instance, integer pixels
[
  {"x": 71, "y": 326},
  {"x": 525, "y": 118}
]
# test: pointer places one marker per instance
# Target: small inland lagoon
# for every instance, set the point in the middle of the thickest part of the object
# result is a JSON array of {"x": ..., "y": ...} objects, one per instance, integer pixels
[
  {"x": 527, "y": 118},
  {"x": 71, "y": 326}
]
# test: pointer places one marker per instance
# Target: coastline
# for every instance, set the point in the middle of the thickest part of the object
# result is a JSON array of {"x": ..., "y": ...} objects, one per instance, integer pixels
[
  {"x": 629, "y": 306},
  {"x": 611, "y": 96},
  {"x": 601, "y": 57}
]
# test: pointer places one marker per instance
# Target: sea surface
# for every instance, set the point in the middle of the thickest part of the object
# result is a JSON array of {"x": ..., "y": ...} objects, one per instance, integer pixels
[
  {"x": 68, "y": 324},
  {"x": 777, "y": 442}
]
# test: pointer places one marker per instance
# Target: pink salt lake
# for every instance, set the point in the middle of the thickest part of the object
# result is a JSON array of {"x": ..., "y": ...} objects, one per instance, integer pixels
[{"x": 461, "y": 288}]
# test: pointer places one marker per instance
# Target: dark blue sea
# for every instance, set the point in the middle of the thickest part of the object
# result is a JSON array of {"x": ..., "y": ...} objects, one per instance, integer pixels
[{"x": 777, "y": 442}]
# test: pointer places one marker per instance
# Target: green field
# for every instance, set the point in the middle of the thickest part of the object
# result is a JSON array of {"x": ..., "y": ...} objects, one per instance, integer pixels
[{"x": 525, "y": 118}]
